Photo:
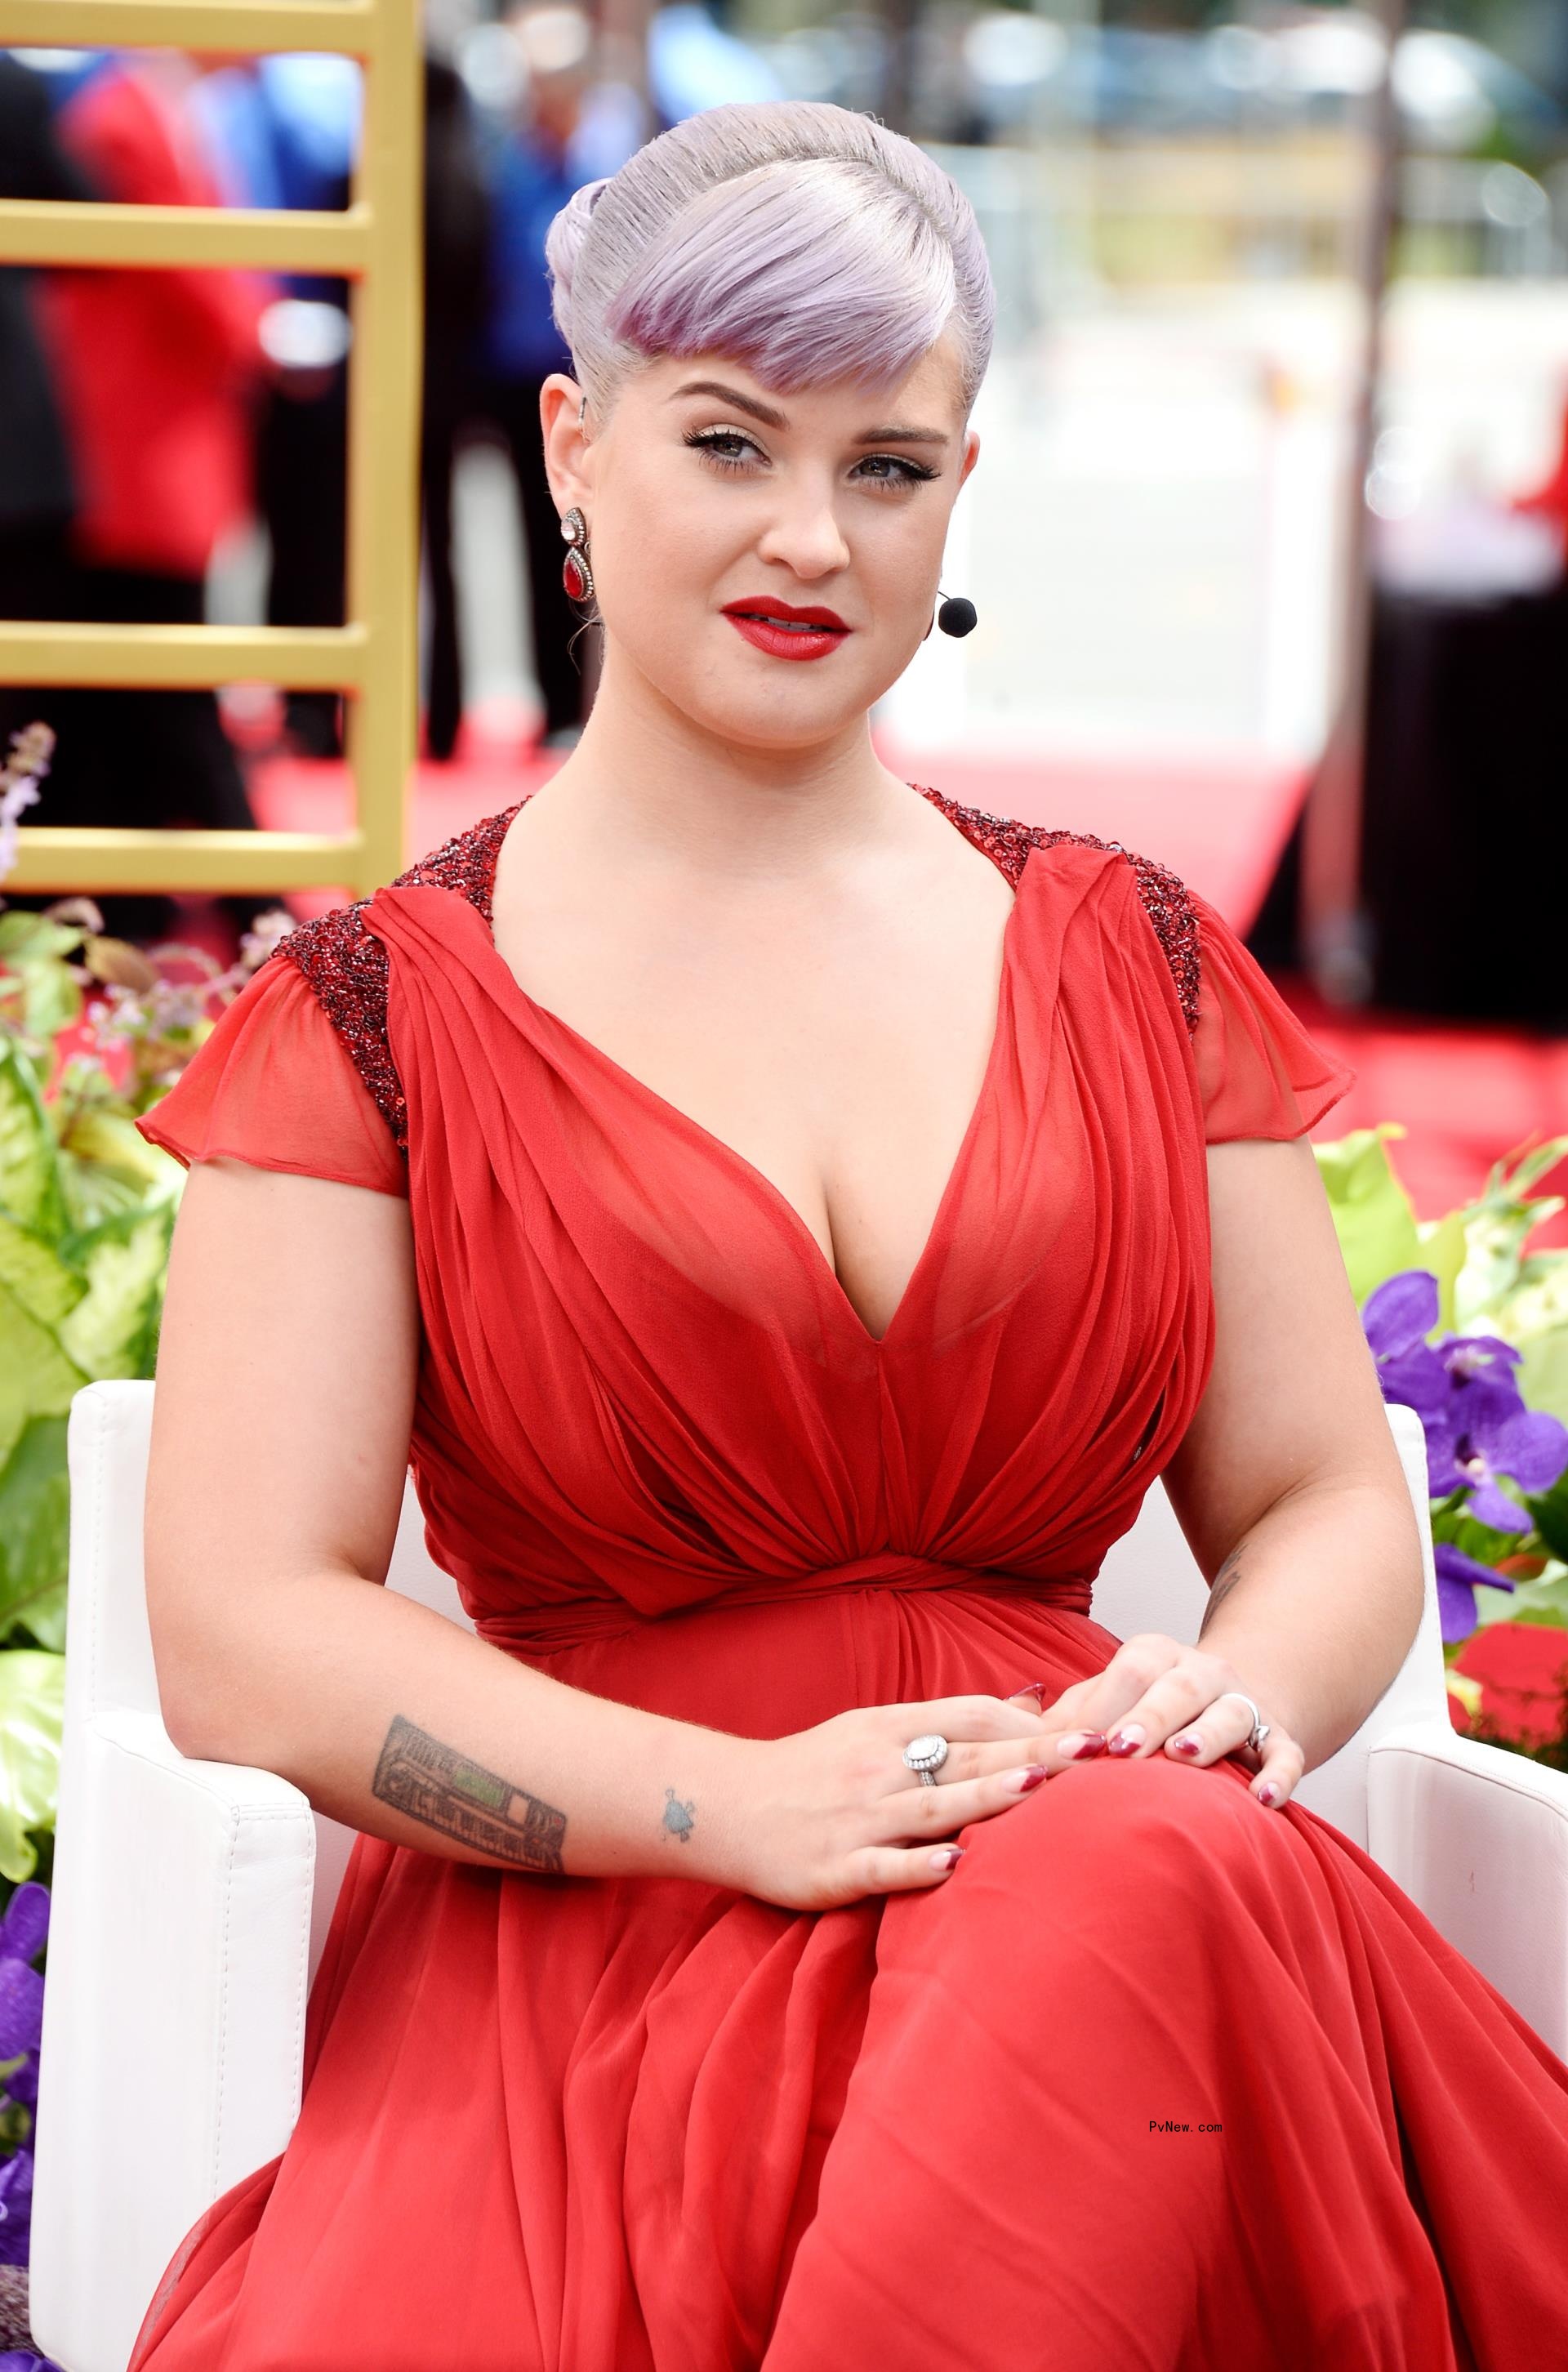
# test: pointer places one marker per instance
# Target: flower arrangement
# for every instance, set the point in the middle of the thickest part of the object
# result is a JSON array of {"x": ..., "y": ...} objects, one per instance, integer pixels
[
  {"x": 92, "y": 1033},
  {"x": 1469, "y": 1329}
]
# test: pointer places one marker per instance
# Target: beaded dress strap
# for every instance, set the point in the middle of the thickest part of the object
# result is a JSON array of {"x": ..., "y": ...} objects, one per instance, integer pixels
[
  {"x": 1163, "y": 894},
  {"x": 346, "y": 964}
]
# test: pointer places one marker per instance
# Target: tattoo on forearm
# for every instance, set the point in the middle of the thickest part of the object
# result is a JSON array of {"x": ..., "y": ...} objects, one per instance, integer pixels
[
  {"x": 679, "y": 1818},
  {"x": 435, "y": 1785},
  {"x": 1224, "y": 1582}
]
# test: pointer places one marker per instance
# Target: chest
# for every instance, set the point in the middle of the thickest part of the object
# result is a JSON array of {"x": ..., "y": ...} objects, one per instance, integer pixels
[{"x": 839, "y": 1048}]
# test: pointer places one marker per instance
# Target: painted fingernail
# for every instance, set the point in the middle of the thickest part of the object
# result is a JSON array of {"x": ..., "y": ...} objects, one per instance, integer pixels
[
  {"x": 1188, "y": 1744},
  {"x": 1081, "y": 1742},
  {"x": 949, "y": 1857},
  {"x": 1269, "y": 1793},
  {"x": 1020, "y": 1781},
  {"x": 1127, "y": 1740}
]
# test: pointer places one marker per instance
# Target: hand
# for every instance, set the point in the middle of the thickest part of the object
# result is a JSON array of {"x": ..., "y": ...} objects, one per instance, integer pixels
[
  {"x": 1169, "y": 1692},
  {"x": 832, "y": 1814}
]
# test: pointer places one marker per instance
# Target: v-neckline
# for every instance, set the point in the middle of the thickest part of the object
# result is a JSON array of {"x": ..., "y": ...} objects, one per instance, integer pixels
[{"x": 484, "y": 906}]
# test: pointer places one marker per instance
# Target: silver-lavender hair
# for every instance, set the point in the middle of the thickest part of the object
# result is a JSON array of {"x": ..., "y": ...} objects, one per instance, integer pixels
[{"x": 807, "y": 240}]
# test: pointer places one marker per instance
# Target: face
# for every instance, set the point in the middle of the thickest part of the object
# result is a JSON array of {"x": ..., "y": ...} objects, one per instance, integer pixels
[{"x": 706, "y": 496}]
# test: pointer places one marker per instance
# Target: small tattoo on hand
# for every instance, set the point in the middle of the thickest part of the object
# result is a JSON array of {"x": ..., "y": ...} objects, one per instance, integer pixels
[{"x": 678, "y": 1818}]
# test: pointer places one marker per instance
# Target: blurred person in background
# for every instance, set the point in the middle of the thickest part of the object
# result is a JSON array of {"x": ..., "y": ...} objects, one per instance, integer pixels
[
  {"x": 284, "y": 131},
  {"x": 457, "y": 263},
  {"x": 552, "y": 145},
  {"x": 154, "y": 370},
  {"x": 38, "y": 495}
]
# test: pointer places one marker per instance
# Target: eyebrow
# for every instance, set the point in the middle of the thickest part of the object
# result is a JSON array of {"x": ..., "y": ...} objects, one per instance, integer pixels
[{"x": 774, "y": 419}]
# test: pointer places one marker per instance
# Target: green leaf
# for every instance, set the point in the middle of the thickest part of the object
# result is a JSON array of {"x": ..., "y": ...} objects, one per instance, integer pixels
[
  {"x": 32, "y": 1706},
  {"x": 42, "y": 1281},
  {"x": 1542, "y": 1376},
  {"x": 1529, "y": 1169},
  {"x": 1549, "y": 1509},
  {"x": 51, "y": 999},
  {"x": 1541, "y": 1601},
  {"x": 1494, "y": 1606},
  {"x": 110, "y": 1139},
  {"x": 37, "y": 1378},
  {"x": 1442, "y": 1253},
  {"x": 30, "y": 1177},
  {"x": 23, "y": 934},
  {"x": 1373, "y": 1214},
  {"x": 113, "y": 1328},
  {"x": 35, "y": 1510},
  {"x": 1482, "y": 1542}
]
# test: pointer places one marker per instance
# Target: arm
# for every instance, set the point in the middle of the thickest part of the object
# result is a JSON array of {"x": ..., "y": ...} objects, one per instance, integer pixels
[
  {"x": 1287, "y": 1482},
  {"x": 286, "y": 1383},
  {"x": 285, "y": 1387}
]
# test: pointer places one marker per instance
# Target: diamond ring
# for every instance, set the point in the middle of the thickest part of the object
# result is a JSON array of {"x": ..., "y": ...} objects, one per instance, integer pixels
[{"x": 926, "y": 1756}]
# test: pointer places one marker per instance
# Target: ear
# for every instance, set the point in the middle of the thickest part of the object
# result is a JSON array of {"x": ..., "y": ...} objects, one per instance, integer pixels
[
  {"x": 566, "y": 446},
  {"x": 971, "y": 454}
]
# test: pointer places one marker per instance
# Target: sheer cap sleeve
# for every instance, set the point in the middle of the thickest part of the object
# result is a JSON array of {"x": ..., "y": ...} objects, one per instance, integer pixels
[
  {"x": 1258, "y": 1072},
  {"x": 274, "y": 1084}
]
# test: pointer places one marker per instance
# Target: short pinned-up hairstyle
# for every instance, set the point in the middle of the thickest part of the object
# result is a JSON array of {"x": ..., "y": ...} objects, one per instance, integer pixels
[{"x": 805, "y": 239}]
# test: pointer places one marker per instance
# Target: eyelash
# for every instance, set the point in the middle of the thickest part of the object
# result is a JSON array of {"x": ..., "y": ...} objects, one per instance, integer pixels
[{"x": 706, "y": 440}]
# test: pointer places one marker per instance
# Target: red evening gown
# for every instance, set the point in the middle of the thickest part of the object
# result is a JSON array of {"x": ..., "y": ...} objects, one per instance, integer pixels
[{"x": 649, "y": 2126}]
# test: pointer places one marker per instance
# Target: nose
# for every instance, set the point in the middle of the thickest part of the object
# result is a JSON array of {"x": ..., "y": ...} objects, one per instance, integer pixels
[{"x": 804, "y": 533}]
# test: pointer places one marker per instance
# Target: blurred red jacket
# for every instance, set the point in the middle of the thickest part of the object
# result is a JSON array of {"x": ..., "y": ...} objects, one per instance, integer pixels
[{"x": 153, "y": 368}]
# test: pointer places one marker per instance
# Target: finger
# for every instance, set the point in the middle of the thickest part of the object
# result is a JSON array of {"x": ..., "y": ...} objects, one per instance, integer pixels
[
  {"x": 962, "y": 1717},
  {"x": 1224, "y": 1724},
  {"x": 1059, "y": 1706},
  {"x": 1177, "y": 1701},
  {"x": 1115, "y": 1695},
  {"x": 942, "y": 1811},
  {"x": 1279, "y": 1771},
  {"x": 983, "y": 1759},
  {"x": 895, "y": 1870}
]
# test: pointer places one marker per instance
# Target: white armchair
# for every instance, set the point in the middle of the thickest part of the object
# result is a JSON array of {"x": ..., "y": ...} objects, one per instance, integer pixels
[{"x": 191, "y": 1899}]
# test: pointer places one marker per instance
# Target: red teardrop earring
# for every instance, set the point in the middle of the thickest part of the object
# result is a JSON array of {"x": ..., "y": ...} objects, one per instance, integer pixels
[{"x": 575, "y": 572}]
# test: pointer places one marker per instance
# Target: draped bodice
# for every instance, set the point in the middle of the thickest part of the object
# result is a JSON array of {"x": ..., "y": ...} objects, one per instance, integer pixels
[
  {"x": 642, "y": 1388},
  {"x": 642, "y": 1381}
]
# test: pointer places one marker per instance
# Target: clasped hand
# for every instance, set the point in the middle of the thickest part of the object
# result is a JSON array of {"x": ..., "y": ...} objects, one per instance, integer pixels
[{"x": 832, "y": 1814}]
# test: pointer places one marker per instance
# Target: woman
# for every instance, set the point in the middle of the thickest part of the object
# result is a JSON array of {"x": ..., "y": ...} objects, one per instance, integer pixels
[{"x": 791, "y": 1219}]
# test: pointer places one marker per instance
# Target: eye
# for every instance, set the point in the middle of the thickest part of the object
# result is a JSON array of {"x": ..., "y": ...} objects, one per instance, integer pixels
[
  {"x": 710, "y": 443},
  {"x": 911, "y": 473}
]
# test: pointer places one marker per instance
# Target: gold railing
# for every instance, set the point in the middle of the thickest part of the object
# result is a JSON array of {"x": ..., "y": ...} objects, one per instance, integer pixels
[{"x": 376, "y": 244}]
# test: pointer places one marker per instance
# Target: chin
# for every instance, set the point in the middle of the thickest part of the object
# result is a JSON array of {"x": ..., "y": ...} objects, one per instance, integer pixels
[
  {"x": 751, "y": 716},
  {"x": 753, "y": 724}
]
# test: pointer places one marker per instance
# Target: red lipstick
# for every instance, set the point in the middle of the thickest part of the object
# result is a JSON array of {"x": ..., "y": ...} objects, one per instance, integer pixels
[{"x": 784, "y": 631}]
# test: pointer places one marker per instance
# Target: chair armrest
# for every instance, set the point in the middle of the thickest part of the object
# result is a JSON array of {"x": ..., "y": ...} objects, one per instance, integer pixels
[
  {"x": 173, "y": 2027},
  {"x": 1478, "y": 1837}
]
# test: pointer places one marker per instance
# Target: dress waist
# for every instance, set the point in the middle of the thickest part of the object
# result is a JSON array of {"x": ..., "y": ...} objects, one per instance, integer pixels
[{"x": 539, "y": 1630}]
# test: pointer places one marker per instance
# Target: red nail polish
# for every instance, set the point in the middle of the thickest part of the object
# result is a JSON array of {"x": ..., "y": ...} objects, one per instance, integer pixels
[
  {"x": 1093, "y": 1744},
  {"x": 1032, "y": 1777}
]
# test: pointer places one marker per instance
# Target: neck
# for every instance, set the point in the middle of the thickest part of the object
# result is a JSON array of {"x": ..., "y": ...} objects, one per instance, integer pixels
[{"x": 647, "y": 782}]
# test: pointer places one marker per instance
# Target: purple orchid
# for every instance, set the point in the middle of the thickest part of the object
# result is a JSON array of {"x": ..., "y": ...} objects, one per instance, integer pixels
[
  {"x": 23, "y": 1932},
  {"x": 1456, "y": 1577},
  {"x": 1465, "y": 1390},
  {"x": 15, "y": 2207}
]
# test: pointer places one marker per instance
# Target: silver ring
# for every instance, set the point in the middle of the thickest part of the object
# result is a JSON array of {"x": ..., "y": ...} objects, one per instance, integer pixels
[
  {"x": 1260, "y": 1729},
  {"x": 926, "y": 1756}
]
